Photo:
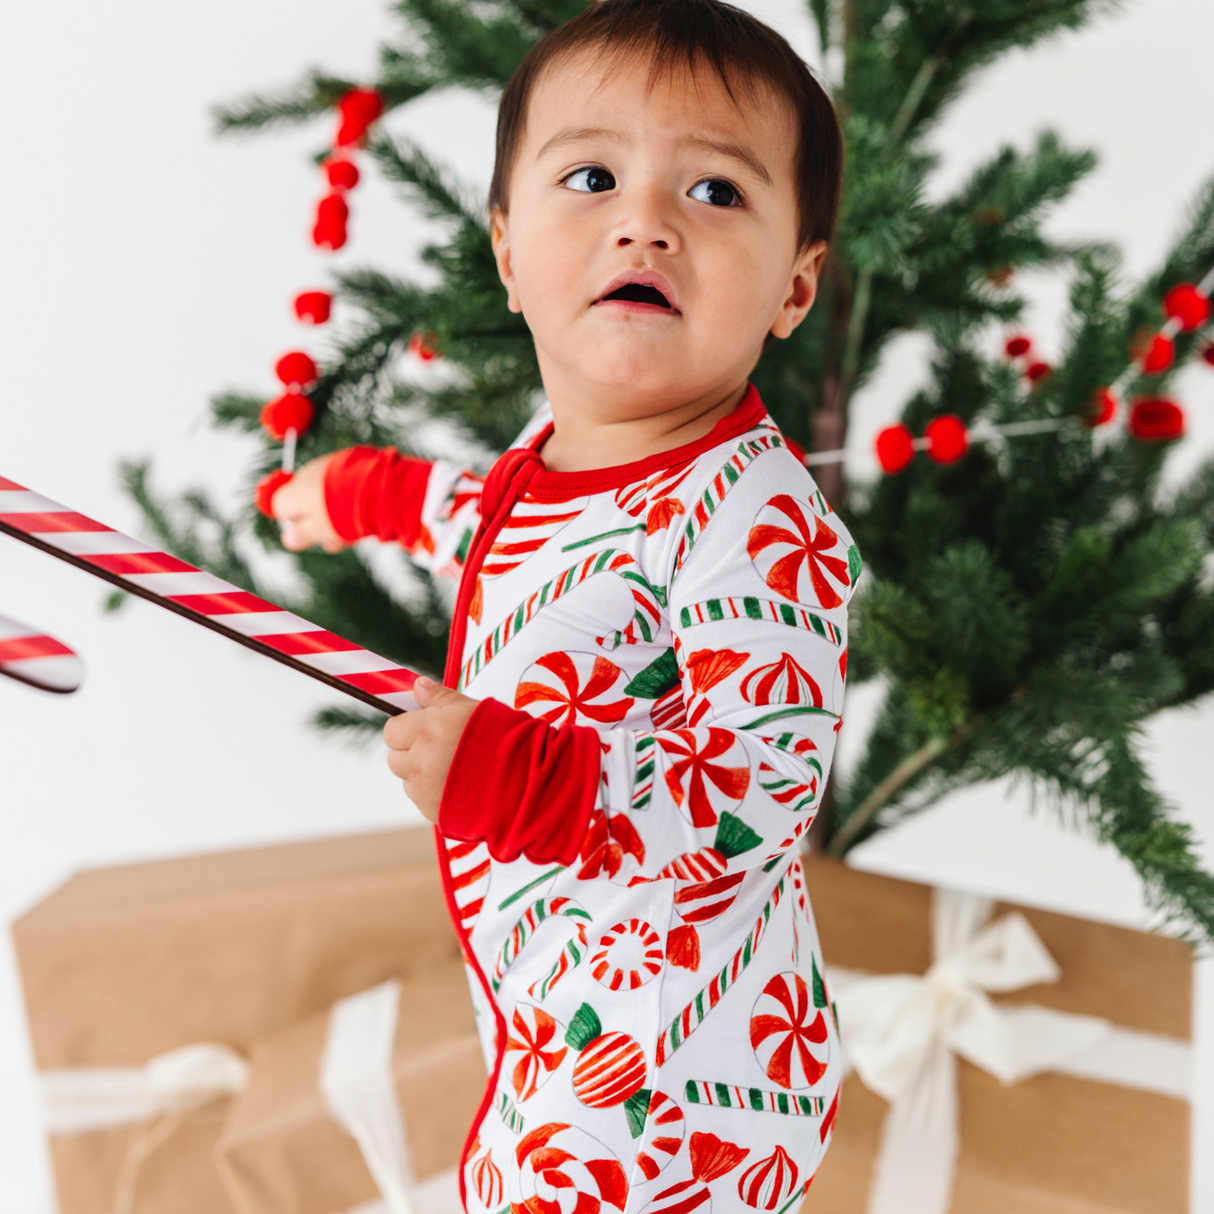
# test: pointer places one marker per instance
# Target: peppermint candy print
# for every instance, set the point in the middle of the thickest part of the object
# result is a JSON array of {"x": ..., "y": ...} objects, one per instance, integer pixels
[
  {"x": 607, "y": 842},
  {"x": 628, "y": 956},
  {"x": 564, "y": 1170},
  {"x": 696, "y": 865},
  {"x": 770, "y": 1182},
  {"x": 609, "y": 1071},
  {"x": 530, "y": 1058},
  {"x": 699, "y": 775},
  {"x": 571, "y": 956},
  {"x": 698, "y": 902},
  {"x": 711, "y": 1158},
  {"x": 470, "y": 871},
  {"x": 654, "y": 498},
  {"x": 665, "y": 1129},
  {"x": 788, "y": 1033},
  {"x": 487, "y": 1179},
  {"x": 573, "y": 689},
  {"x": 782, "y": 682},
  {"x": 797, "y": 554},
  {"x": 706, "y": 668}
]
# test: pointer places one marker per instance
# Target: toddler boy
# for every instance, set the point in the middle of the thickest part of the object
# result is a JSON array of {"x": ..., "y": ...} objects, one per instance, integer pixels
[{"x": 648, "y": 652}]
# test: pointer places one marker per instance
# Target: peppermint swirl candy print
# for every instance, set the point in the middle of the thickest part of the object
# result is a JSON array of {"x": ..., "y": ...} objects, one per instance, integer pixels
[
  {"x": 564, "y": 1170},
  {"x": 788, "y": 1033},
  {"x": 628, "y": 956}
]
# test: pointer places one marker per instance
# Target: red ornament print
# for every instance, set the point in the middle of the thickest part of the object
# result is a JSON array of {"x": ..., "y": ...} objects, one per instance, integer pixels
[
  {"x": 668, "y": 1127},
  {"x": 782, "y": 682},
  {"x": 606, "y": 844},
  {"x": 791, "y": 1051},
  {"x": 577, "y": 688},
  {"x": 609, "y": 1070},
  {"x": 692, "y": 776},
  {"x": 770, "y": 1182},
  {"x": 564, "y": 1170},
  {"x": 705, "y": 669},
  {"x": 532, "y": 1031},
  {"x": 628, "y": 956},
  {"x": 790, "y": 546}
]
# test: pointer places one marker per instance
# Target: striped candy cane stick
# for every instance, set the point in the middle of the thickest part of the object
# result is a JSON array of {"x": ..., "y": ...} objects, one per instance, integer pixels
[
  {"x": 205, "y": 599},
  {"x": 32, "y": 657}
]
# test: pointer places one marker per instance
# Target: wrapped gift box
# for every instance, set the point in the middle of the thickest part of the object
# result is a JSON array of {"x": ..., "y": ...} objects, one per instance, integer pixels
[
  {"x": 284, "y": 1152},
  {"x": 120, "y": 965},
  {"x": 1052, "y": 1143}
]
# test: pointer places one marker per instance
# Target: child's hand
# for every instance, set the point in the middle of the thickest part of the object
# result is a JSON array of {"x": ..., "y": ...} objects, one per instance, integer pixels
[
  {"x": 300, "y": 506},
  {"x": 422, "y": 744}
]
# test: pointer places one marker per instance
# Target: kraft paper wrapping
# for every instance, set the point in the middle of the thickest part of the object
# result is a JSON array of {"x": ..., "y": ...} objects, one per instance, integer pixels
[
  {"x": 283, "y": 1153},
  {"x": 121, "y": 964},
  {"x": 1050, "y": 1144}
]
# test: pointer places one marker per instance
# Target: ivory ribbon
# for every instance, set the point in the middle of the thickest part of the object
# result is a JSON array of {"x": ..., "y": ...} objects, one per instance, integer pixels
[
  {"x": 902, "y": 1035},
  {"x": 359, "y": 1088},
  {"x": 81, "y": 1099}
]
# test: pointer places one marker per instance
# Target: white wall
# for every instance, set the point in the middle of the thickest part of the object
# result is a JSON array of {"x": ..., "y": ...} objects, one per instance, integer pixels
[{"x": 146, "y": 265}]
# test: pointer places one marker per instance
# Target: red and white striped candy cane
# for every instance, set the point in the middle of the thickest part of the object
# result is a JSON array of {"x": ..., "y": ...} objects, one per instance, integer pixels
[
  {"x": 205, "y": 599},
  {"x": 32, "y": 657}
]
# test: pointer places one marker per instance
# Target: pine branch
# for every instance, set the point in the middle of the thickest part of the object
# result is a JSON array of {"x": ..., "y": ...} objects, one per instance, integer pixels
[{"x": 441, "y": 196}]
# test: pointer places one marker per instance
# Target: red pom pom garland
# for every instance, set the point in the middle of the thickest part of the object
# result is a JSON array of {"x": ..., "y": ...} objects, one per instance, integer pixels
[
  {"x": 423, "y": 346},
  {"x": 1156, "y": 420},
  {"x": 895, "y": 449},
  {"x": 1159, "y": 354},
  {"x": 288, "y": 416},
  {"x": 313, "y": 307},
  {"x": 1207, "y": 353},
  {"x": 1102, "y": 410},
  {"x": 947, "y": 440},
  {"x": 1017, "y": 346},
  {"x": 359, "y": 108},
  {"x": 263, "y": 495},
  {"x": 1188, "y": 306},
  {"x": 1035, "y": 372}
]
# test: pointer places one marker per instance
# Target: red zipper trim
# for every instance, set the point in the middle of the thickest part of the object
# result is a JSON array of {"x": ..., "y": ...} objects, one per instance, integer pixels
[{"x": 483, "y": 540}]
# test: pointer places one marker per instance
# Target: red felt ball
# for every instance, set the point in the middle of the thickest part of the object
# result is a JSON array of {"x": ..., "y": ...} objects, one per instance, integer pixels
[
  {"x": 290, "y": 411},
  {"x": 1036, "y": 372},
  {"x": 946, "y": 438},
  {"x": 1207, "y": 353},
  {"x": 1101, "y": 409},
  {"x": 1185, "y": 303},
  {"x": 1158, "y": 355},
  {"x": 313, "y": 307},
  {"x": 1017, "y": 347},
  {"x": 1155, "y": 420},
  {"x": 269, "y": 485},
  {"x": 423, "y": 345},
  {"x": 330, "y": 234},
  {"x": 894, "y": 449},
  {"x": 333, "y": 208},
  {"x": 342, "y": 174},
  {"x": 358, "y": 108},
  {"x": 296, "y": 369}
]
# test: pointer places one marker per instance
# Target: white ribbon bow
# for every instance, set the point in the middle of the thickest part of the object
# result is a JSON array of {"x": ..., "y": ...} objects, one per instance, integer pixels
[
  {"x": 902, "y": 1034},
  {"x": 80, "y": 1099}
]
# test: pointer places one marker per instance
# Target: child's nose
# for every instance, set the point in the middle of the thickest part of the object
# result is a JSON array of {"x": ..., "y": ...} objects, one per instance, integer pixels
[{"x": 648, "y": 224}]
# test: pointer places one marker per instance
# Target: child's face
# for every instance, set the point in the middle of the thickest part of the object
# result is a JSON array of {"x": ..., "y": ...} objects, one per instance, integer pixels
[{"x": 674, "y": 187}]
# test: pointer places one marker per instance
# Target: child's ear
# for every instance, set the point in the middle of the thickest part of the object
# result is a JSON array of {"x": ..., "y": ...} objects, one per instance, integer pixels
[
  {"x": 499, "y": 236},
  {"x": 802, "y": 289}
]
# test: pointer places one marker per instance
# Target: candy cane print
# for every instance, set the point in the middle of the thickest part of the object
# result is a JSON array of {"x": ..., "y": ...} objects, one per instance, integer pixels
[
  {"x": 32, "y": 657},
  {"x": 207, "y": 600}
]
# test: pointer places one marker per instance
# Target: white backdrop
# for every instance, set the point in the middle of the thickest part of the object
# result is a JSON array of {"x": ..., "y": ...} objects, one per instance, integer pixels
[{"x": 146, "y": 265}]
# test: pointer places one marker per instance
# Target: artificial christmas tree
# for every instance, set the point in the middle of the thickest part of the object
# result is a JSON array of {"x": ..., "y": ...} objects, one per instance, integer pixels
[{"x": 1030, "y": 600}]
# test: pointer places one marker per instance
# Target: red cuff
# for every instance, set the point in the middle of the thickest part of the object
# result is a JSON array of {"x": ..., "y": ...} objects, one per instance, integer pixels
[
  {"x": 521, "y": 786},
  {"x": 374, "y": 492}
]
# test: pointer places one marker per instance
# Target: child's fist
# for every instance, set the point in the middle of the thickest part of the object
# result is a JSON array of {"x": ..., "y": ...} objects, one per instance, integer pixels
[
  {"x": 300, "y": 507},
  {"x": 422, "y": 744}
]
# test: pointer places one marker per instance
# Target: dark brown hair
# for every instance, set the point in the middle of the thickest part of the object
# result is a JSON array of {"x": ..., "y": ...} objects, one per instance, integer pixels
[{"x": 692, "y": 34}]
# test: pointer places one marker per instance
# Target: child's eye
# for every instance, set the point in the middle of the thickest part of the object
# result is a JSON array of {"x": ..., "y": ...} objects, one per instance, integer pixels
[
  {"x": 716, "y": 192},
  {"x": 590, "y": 181}
]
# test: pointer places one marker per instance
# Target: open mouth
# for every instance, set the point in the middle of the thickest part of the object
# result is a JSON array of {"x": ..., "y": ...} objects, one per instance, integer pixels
[{"x": 635, "y": 292}]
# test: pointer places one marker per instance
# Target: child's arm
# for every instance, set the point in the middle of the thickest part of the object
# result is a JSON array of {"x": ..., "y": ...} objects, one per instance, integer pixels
[
  {"x": 430, "y": 509},
  {"x": 758, "y": 608}
]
